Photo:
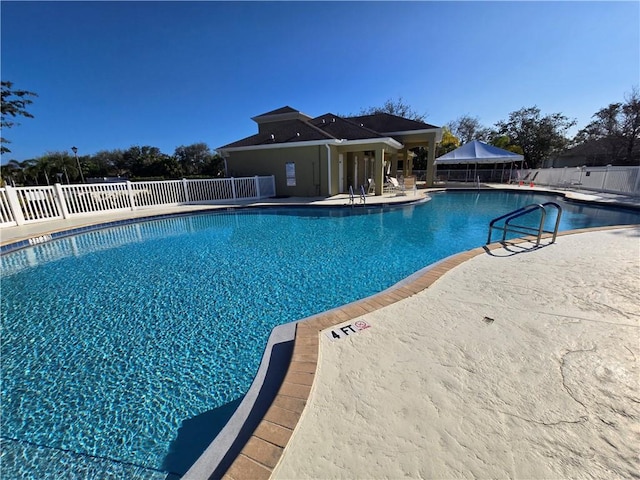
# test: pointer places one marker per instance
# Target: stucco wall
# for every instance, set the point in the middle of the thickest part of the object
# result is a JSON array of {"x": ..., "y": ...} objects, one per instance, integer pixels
[{"x": 310, "y": 168}]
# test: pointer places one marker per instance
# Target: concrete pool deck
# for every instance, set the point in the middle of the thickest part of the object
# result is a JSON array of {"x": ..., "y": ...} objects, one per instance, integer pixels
[{"x": 534, "y": 374}]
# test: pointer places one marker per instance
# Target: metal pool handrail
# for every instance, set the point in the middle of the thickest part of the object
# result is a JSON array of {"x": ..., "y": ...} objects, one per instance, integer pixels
[
  {"x": 363, "y": 195},
  {"x": 508, "y": 217}
]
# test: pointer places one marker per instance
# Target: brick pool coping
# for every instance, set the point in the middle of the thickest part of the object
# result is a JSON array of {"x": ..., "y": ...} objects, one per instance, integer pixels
[{"x": 262, "y": 452}]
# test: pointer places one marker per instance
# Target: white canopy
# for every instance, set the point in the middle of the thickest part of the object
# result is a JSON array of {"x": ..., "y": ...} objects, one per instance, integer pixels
[{"x": 478, "y": 152}]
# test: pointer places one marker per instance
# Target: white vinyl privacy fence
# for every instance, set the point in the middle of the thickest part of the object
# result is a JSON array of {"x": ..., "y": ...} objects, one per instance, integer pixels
[
  {"x": 621, "y": 180},
  {"x": 24, "y": 205}
]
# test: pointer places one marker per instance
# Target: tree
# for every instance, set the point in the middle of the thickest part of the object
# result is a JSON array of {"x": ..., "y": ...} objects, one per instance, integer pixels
[
  {"x": 617, "y": 128},
  {"x": 62, "y": 166},
  {"x": 11, "y": 172},
  {"x": 468, "y": 128},
  {"x": 148, "y": 162},
  {"x": 631, "y": 124},
  {"x": 103, "y": 163},
  {"x": 193, "y": 159},
  {"x": 58, "y": 167},
  {"x": 538, "y": 136},
  {"x": 449, "y": 143},
  {"x": 214, "y": 167},
  {"x": 504, "y": 142},
  {"x": 14, "y": 103},
  {"x": 397, "y": 107}
]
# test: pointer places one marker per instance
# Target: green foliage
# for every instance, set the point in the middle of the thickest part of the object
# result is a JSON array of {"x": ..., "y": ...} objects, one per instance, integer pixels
[
  {"x": 137, "y": 162},
  {"x": 395, "y": 107},
  {"x": 504, "y": 142},
  {"x": 449, "y": 143},
  {"x": 538, "y": 136},
  {"x": 194, "y": 159},
  {"x": 616, "y": 128},
  {"x": 56, "y": 167},
  {"x": 13, "y": 104},
  {"x": 103, "y": 163},
  {"x": 467, "y": 128},
  {"x": 147, "y": 161}
]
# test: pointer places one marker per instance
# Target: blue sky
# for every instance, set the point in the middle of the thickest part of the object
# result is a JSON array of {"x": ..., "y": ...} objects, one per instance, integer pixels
[{"x": 117, "y": 74}]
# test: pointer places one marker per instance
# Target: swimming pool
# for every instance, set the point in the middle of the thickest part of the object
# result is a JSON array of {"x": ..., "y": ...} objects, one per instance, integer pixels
[{"x": 115, "y": 339}]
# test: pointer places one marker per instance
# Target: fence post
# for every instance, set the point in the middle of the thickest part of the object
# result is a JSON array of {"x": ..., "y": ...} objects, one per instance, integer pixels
[
  {"x": 636, "y": 188},
  {"x": 604, "y": 177},
  {"x": 562, "y": 181},
  {"x": 61, "y": 201},
  {"x": 132, "y": 200},
  {"x": 14, "y": 205},
  {"x": 257, "y": 186},
  {"x": 273, "y": 184},
  {"x": 186, "y": 190},
  {"x": 233, "y": 187}
]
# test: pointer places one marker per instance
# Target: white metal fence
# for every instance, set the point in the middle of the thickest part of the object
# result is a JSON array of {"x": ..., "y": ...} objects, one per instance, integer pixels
[{"x": 24, "y": 205}]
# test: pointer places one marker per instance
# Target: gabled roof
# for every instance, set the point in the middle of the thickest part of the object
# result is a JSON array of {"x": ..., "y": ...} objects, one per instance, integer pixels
[
  {"x": 287, "y": 125},
  {"x": 388, "y": 123},
  {"x": 284, "y": 132},
  {"x": 278, "y": 111},
  {"x": 342, "y": 128},
  {"x": 280, "y": 115}
]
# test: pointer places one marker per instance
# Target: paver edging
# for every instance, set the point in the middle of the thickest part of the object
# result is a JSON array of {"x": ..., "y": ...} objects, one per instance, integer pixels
[{"x": 307, "y": 337}]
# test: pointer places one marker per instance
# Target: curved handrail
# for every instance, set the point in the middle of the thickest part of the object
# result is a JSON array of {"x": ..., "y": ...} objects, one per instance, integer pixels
[
  {"x": 508, "y": 217},
  {"x": 511, "y": 213},
  {"x": 543, "y": 216},
  {"x": 559, "y": 214}
]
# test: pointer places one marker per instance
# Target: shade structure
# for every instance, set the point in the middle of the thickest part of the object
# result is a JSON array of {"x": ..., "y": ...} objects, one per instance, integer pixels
[{"x": 478, "y": 152}]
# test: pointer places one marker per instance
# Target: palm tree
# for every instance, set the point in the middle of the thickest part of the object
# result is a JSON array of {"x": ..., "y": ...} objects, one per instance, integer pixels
[
  {"x": 58, "y": 166},
  {"x": 11, "y": 172}
]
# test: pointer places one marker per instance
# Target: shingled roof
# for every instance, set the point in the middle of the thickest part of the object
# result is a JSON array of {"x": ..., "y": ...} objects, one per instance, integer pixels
[
  {"x": 278, "y": 111},
  {"x": 388, "y": 123},
  {"x": 283, "y": 132},
  {"x": 287, "y": 125},
  {"x": 339, "y": 127}
]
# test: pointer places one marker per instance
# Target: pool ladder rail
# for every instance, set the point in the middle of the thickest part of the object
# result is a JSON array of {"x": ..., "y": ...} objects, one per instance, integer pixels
[
  {"x": 507, "y": 226},
  {"x": 362, "y": 195}
]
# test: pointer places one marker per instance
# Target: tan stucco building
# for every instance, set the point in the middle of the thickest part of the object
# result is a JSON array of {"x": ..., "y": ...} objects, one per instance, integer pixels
[{"x": 326, "y": 155}]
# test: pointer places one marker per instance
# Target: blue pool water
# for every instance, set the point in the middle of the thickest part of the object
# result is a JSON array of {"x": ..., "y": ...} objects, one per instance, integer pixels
[{"x": 117, "y": 341}]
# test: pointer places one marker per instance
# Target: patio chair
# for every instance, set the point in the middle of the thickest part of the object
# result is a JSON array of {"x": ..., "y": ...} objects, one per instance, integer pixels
[
  {"x": 371, "y": 186},
  {"x": 391, "y": 186}
]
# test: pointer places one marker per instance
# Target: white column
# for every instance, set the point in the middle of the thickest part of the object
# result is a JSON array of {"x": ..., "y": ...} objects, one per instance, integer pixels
[
  {"x": 431, "y": 158},
  {"x": 378, "y": 171}
]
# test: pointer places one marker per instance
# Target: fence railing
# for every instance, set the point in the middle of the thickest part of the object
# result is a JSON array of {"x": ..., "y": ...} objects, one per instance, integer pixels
[
  {"x": 610, "y": 179},
  {"x": 25, "y": 205},
  {"x": 495, "y": 175}
]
